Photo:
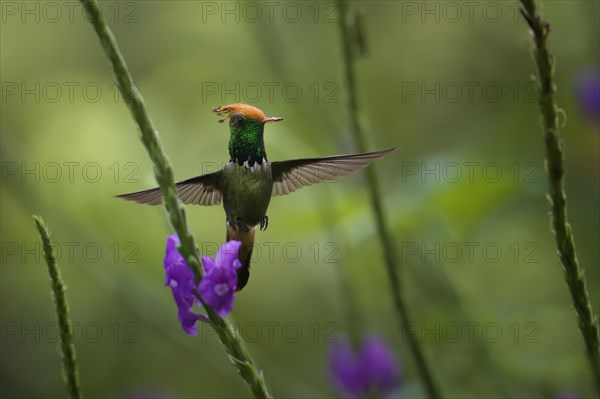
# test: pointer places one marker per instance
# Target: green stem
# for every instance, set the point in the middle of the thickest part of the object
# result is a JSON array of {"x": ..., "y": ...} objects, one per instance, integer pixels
[
  {"x": 574, "y": 274},
  {"x": 62, "y": 312},
  {"x": 164, "y": 176},
  {"x": 354, "y": 35}
]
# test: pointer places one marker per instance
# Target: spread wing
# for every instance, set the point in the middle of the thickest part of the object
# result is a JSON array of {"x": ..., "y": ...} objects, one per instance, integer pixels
[
  {"x": 202, "y": 190},
  {"x": 289, "y": 176}
]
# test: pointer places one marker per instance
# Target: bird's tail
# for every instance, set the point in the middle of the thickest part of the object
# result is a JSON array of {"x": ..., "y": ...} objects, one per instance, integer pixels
[{"x": 245, "y": 253}]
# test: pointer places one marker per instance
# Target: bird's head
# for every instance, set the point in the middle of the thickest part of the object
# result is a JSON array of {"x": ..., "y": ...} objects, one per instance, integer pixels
[
  {"x": 243, "y": 117},
  {"x": 246, "y": 125}
]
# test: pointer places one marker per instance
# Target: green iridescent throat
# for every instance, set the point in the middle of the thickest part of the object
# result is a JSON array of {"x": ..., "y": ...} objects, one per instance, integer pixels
[{"x": 246, "y": 142}]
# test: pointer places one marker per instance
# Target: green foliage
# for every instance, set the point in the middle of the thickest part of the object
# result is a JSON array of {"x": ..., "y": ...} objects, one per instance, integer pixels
[
  {"x": 175, "y": 54},
  {"x": 62, "y": 311},
  {"x": 574, "y": 274}
]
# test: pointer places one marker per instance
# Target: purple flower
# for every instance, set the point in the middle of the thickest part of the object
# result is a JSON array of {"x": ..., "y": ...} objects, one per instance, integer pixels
[
  {"x": 217, "y": 287},
  {"x": 220, "y": 281},
  {"x": 181, "y": 280},
  {"x": 373, "y": 370},
  {"x": 588, "y": 90}
]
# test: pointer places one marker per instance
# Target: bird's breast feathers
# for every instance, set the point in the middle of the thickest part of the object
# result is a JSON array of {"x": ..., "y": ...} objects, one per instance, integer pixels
[
  {"x": 254, "y": 179},
  {"x": 247, "y": 191}
]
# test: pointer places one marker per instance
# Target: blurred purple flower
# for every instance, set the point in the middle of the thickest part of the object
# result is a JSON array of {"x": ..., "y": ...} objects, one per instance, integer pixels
[
  {"x": 372, "y": 371},
  {"x": 346, "y": 369},
  {"x": 220, "y": 280},
  {"x": 382, "y": 370},
  {"x": 588, "y": 91},
  {"x": 217, "y": 287}
]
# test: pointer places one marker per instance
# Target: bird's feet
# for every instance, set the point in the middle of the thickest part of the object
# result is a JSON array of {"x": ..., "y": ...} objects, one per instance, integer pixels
[
  {"x": 239, "y": 223},
  {"x": 264, "y": 223}
]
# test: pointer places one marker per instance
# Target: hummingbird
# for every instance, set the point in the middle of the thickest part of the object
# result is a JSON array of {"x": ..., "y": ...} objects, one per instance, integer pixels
[{"x": 247, "y": 182}]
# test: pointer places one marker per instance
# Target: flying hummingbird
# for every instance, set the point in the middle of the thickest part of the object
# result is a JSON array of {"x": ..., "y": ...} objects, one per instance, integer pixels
[{"x": 249, "y": 180}]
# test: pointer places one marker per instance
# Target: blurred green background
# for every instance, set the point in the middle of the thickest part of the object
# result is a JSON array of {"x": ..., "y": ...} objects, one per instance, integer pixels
[{"x": 449, "y": 82}]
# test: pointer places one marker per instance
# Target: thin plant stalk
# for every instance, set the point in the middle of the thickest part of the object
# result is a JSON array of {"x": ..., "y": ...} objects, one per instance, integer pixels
[
  {"x": 574, "y": 274},
  {"x": 61, "y": 308},
  {"x": 353, "y": 41},
  {"x": 163, "y": 172}
]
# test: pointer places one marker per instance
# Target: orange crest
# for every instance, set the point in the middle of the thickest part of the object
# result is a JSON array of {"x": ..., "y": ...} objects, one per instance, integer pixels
[{"x": 245, "y": 110}]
